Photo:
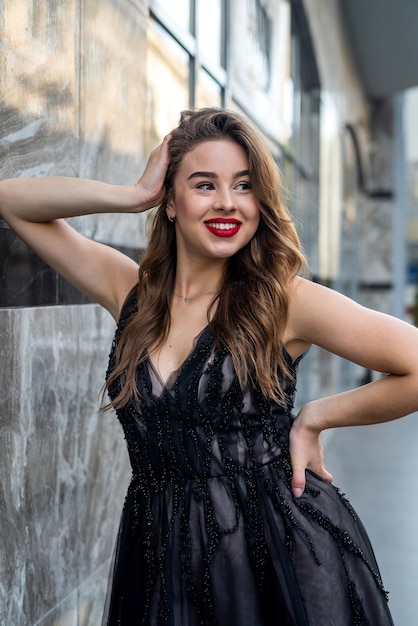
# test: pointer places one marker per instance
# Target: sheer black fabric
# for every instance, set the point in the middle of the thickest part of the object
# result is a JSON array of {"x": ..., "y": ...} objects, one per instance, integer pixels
[{"x": 210, "y": 532}]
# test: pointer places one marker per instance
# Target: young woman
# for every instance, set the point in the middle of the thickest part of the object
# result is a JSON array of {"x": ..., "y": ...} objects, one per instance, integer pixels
[{"x": 231, "y": 517}]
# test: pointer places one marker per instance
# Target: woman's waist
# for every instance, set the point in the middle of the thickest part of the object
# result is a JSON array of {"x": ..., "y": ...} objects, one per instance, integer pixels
[{"x": 166, "y": 472}]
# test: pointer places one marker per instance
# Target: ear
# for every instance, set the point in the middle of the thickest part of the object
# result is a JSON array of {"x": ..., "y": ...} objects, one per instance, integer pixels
[{"x": 170, "y": 209}]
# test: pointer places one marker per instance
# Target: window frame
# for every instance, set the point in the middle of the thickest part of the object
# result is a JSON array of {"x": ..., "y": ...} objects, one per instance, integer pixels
[{"x": 189, "y": 42}]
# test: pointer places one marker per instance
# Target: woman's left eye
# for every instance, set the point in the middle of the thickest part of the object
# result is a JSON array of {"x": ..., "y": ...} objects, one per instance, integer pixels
[
  {"x": 244, "y": 185},
  {"x": 205, "y": 185}
]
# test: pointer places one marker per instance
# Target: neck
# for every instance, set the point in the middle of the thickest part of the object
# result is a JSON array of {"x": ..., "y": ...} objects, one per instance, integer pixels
[{"x": 190, "y": 282}]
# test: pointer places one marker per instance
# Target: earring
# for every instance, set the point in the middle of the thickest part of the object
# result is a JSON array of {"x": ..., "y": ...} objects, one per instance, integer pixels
[{"x": 171, "y": 219}]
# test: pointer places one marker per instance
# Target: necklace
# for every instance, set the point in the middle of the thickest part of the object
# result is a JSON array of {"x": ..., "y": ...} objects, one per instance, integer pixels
[{"x": 187, "y": 300}]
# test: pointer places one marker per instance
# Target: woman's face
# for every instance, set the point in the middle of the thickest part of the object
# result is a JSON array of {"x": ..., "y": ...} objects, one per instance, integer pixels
[{"x": 213, "y": 202}]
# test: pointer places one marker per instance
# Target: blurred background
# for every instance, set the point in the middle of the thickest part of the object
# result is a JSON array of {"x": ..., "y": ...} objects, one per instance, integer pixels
[{"x": 88, "y": 88}]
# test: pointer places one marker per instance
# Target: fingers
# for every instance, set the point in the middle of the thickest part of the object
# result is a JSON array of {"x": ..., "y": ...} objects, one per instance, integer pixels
[
  {"x": 299, "y": 479},
  {"x": 326, "y": 475},
  {"x": 160, "y": 153},
  {"x": 298, "y": 482},
  {"x": 306, "y": 453},
  {"x": 161, "y": 150},
  {"x": 150, "y": 187}
]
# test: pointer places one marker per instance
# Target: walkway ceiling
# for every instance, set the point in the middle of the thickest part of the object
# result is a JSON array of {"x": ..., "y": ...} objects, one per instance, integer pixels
[{"x": 384, "y": 36}]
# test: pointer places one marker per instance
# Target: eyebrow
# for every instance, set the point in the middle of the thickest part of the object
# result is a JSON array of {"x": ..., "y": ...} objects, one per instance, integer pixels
[{"x": 213, "y": 175}]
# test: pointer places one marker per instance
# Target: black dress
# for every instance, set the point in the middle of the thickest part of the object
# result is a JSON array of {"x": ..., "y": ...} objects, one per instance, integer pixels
[{"x": 210, "y": 531}]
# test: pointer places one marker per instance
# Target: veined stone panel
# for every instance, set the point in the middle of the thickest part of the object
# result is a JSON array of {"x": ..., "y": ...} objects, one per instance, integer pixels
[
  {"x": 112, "y": 109},
  {"x": 73, "y": 98},
  {"x": 38, "y": 123},
  {"x": 39, "y": 87},
  {"x": 39, "y": 447},
  {"x": 103, "y": 468},
  {"x": 63, "y": 464},
  {"x": 84, "y": 606}
]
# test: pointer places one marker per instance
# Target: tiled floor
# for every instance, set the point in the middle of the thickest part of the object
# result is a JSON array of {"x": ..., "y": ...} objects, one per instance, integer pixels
[{"x": 377, "y": 468}]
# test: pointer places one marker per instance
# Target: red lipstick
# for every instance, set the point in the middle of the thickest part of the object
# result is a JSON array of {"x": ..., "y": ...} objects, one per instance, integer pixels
[{"x": 221, "y": 227}]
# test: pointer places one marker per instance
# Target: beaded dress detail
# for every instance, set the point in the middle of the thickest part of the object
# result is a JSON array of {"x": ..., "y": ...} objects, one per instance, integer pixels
[{"x": 210, "y": 532}]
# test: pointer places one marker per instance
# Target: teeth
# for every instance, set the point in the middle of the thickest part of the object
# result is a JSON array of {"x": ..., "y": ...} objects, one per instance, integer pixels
[{"x": 222, "y": 225}]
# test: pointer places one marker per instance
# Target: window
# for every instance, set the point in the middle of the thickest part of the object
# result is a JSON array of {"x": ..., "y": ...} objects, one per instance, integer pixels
[
  {"x": 186, "y": 59},
  {"x": 179, "y": 11},
  {"x": 208, "y": 91},
  {"x": 301, "y": 145},
  {"x": 210, "y": 28},
  {"x": 259, "y": 28},
  {"x": 167, "y": 85},
  {"x": 259, "y": 62}
]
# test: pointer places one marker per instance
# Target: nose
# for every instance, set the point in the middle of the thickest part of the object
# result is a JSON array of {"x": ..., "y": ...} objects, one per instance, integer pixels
[{"x": 225, "y": 200}]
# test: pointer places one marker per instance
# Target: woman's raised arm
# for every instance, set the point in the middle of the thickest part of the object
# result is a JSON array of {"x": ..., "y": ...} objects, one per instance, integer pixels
[{"x": 34, "y": 208}]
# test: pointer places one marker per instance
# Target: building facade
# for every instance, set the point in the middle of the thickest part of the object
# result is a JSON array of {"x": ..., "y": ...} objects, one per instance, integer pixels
[{"x": 88, "y": 89}]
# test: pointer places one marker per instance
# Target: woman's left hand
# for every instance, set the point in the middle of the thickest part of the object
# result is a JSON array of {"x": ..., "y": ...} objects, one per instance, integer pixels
[{"x": 306, "y": 450}]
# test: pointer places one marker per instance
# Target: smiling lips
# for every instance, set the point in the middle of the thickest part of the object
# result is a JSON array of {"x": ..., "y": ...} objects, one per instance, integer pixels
[{"x": 223, "y": 227}]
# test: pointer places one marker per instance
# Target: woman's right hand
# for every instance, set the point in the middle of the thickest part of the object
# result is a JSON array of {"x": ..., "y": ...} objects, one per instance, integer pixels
[{"x": 150, "y": 187}]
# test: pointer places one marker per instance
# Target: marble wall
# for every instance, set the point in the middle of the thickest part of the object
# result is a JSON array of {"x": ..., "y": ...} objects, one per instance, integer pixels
[
  {"x": 63, "y": 466},
  {"x": 72, "y": 78}
]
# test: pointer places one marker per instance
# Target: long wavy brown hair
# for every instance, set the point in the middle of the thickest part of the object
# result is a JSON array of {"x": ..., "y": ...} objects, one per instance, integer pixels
[{"x": 252, "y": 304}]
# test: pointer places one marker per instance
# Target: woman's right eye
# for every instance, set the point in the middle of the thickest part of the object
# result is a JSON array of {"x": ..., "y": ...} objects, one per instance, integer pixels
[{"x": 205, "y": 185}]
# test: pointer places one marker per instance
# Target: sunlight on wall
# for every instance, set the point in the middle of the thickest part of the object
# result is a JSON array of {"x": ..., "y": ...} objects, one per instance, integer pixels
[{"x": 330, "y": 187}]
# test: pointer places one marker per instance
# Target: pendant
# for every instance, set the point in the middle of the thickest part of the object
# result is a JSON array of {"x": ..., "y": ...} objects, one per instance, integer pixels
[{"x": 187, "y": 299}]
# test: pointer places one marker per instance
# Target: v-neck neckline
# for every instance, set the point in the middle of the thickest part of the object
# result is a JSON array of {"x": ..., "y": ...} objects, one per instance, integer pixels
[{"x": 174, "y": 374}]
